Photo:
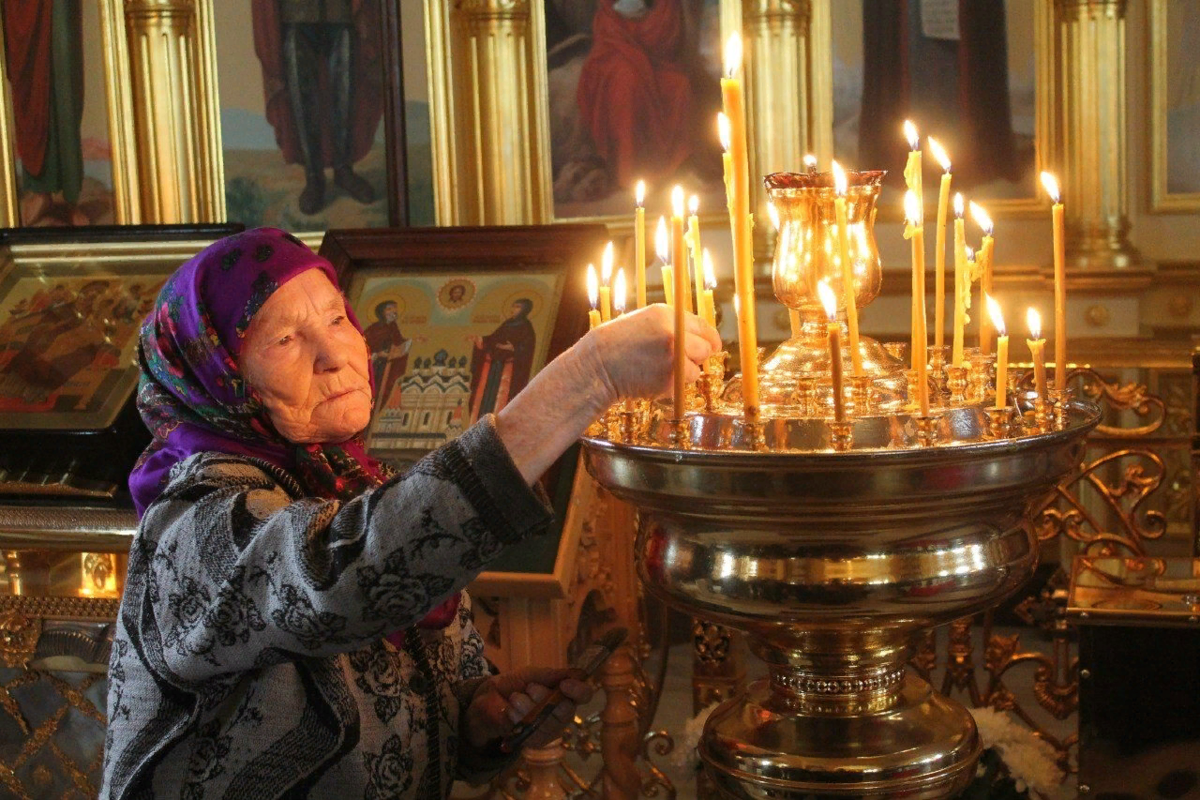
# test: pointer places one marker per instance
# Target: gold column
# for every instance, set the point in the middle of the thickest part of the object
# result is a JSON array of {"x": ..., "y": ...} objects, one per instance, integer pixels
[
  {"x": 10, "y": 213},
  {"x": 1091, "y": 72},
  {"x": 488, "y": 126},
  {"x": 174, "y": 103}
]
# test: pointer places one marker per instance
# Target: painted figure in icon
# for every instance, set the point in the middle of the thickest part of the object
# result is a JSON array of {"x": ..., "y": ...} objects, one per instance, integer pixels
[
  {"x": 389, "y": 350},
  {"x": 322, "y": 76},
  {"x": 502, "y": 360}
]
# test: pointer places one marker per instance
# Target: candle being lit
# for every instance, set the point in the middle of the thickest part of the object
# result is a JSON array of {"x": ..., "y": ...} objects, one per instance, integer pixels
[
  {"x": 1001, "y": 351},
  {"x": 848, "y": 293},
  {"x": 939, "y": 260},
  {"x": 962, "y": 281},
  {"x": 1060, "y": 283},
  {"x": 984, "y": 259},
  {"x": 834, "y": 330},
  {"x": 662, "y": 247},
  {"x": 618, "y": 292},
  {"x": 682, "y": 304},
  {"x": 593, "y": 291},
  {"x": 606, "y": 267},
  {"x": 693, "y": 238},
  {"x": 1037, "y": 350},
  {"x": 639, "y": 235},
  {"x": 710, "y": 285},
  {"x": 915, "y": 232}
]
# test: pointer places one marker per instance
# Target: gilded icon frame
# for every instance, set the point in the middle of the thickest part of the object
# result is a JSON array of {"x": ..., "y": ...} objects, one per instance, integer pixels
[{"x": 1162, "y": 201}]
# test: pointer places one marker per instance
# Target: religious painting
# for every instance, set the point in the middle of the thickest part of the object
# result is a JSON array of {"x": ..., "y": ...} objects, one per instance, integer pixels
[
  {"x": 1175, "y": 98},
  {"x": 53, "y": 62},
  {"x": 68, "y": 337},
  {"x": 311, "y": 125},
  {"x": 634, "y": 91},
  {"x": 964, "y": 73}
]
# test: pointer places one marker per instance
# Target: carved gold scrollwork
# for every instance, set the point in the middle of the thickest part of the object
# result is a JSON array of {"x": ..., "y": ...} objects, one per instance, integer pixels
[
  {"x": 711, "y": 642},
  {"x": 18, "y": 637}
]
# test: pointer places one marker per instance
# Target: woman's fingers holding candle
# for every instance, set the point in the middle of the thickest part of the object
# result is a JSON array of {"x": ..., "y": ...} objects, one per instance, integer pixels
[{"x": 636, "y": 350}]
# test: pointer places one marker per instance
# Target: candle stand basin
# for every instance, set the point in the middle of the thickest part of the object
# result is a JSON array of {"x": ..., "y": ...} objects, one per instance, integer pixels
[{"x": 831, "y": 562}]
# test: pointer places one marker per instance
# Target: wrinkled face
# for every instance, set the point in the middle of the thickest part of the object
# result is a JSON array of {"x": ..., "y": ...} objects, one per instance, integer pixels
[{"x": 308, "y": 363}]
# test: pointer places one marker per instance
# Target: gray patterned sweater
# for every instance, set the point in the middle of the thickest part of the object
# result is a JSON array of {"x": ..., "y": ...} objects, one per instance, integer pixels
[{"x": 249, "y": 658}]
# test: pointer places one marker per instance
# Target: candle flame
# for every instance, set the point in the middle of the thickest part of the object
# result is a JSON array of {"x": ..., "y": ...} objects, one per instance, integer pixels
[
  {"x": 773, "y": 213},
  {"x": 1034, "y": 320},
  {"x": 606, "y": 264},
  {"x": 939, "y": 153},
  {"x": 1051, "y": 184},
  {"x": 710, "y": 274},
  {"x": 910, "y": 133},
  {"x": 839, "y": 179},
  {"x": 619, "y": 291},
  {"x": 661, "y": 241},
  {"x": 912, "y": 208},
  {"x": 677, "y": 201},
  {"x": 639, "y": 194},
  {"x": 828, "y": 299},
  {"x": 593, "y": 286},
  {"x": 995, "y": 313},
  {"x": 694, "y": 204},
  {"x": 733, "y": 54},
  {"x": 958, "y": 205},
  {"x": 724, "y": 131},
  {"x": 981, "y": 218},
  {"x": 810, "y": 162}
]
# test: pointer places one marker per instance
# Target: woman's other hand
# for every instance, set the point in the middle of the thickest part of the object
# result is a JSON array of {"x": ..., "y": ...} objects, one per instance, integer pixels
[{"x": 503, "y": 700}]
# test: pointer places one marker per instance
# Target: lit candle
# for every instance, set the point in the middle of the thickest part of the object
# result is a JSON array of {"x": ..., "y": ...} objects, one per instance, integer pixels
[
  {"x": 593, "y": 290},
  {"x": 829, "y": 300},
  {"x": 725, "y": 136},
  {"x": 710, "y": 285},
  {"x": 1060, "y": 284},
  {"x": 606, "y": 266},
  {"x": 618, "y": 292},
  {"x": 915, "y": 231},
  {"x": 839, "y": 205},
  {"x": 693, "y": 237},
  {"x": 984, "y": 259},
  {"x": 679, "y": 265},
  {"x": 939, "y": 258},
  {"x": 740, "y": 222},
  {"x": 993, "y": 309},
  {"x": 1037, "y": 350},
  {"x": 962, "y": 280},
  {"x": 662, "y": 246},
  {"x": 912, "y": 167},
  {"x": 639, "y": 235}
]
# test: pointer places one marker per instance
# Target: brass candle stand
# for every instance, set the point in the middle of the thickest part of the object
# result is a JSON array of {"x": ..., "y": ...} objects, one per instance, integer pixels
[{"x": 833, "y": 543}]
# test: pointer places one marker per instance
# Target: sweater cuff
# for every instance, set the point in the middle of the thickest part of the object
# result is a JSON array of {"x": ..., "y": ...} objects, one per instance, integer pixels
[{"x": 499, "y": 493}]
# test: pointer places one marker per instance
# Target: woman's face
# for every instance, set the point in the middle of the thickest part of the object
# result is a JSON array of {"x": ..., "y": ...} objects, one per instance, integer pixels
[{"x": 308, "y": 363}]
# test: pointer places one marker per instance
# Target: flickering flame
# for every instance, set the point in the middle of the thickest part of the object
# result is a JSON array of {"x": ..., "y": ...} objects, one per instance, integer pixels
[
  {"x": 773, "y": 213},
  {"x": 724, "y": 133},
  {"x": 677, "y": 201},
  {"x": 733, "y": 54},
  {"x": 912, "y": 207},
  {"x": 661, "y": 243},
  {"x": 981, "y": 218},
  {"x": 694, "y": 204},
  {"x": 639, "y": 194},
  {"x": 619, "y": 291},
  {"x": 1034, "y": 320},
  {"x": 958, "y": 204},
  {"x": 910, "y": 133},
  {"x": 1051, "y": 184},
  {"x": 828, "y": 299},
  {"x": 810, "y": 162},
  {"x": 939, "y": 153},
  {"x": 710, "y": 274},
  {"x": 839, "y": 179},
  {"x": 593, "y": 286},
  {"x": 995, "y": 313},
  {"x": 606, "y": 264}
]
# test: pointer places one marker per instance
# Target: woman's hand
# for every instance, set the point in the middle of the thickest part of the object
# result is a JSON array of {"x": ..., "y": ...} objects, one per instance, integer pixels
[{"x": 503, "y": 700}]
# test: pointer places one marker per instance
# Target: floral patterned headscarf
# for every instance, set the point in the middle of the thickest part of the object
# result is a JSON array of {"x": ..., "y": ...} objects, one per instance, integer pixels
[{"x": 191, "y": 394}]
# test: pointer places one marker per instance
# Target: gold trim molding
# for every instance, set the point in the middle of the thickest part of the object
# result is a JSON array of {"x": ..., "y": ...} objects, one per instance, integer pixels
[{"x": 1161, "y": 200}]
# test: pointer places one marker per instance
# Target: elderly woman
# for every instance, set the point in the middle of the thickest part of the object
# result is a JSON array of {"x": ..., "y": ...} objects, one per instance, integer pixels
[{"x": 294, "y": 622}]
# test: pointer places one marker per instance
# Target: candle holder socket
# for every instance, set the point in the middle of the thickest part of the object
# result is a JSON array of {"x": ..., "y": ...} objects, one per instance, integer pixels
[
  {"x": 979, "y": 377},
  {"x": 937, "y": 370},
  {"x": 756, "y": 439},
  {"x": 806, "y": 392},
  {"x": 1000, "y": 422},
  {"x": 927, "y": 429},
  {"x": 841, "y": 435},
  {"x": 1060, "y": 399},
  {"x": 911, "y": 378},
  {"x": 956, "y": 384},
  {"x": 681, "y": 433},
  {"x": 860, "y": 394},
  {"x": 711, "y": 379},
  {"x": 629, "y": 426},
  {"x": 1043, "y": 415},
  {"x": 897, "y": 350}
]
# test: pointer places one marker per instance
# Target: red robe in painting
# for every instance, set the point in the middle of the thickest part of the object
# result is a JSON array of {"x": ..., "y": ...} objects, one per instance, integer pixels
[
  {"x": 635, "y": 96},
  {"x": 500, "y": 365},
  {"x": 366, "y": 77}
]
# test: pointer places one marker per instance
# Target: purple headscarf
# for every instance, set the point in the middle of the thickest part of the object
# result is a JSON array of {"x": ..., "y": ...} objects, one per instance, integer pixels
[{"x": 191, "y": 394}]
